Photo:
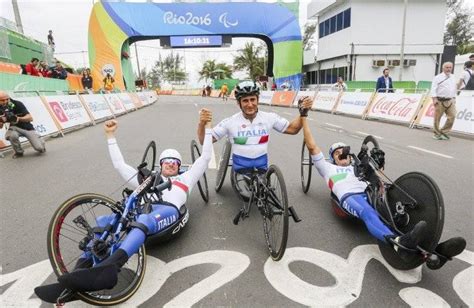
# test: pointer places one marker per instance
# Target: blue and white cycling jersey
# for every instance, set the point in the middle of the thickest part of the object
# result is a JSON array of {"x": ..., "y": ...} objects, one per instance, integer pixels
[{"x": 250, "y": 138}]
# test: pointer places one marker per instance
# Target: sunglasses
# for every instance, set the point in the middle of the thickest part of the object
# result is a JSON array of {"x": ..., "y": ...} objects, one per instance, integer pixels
[{"x": 170, "y": 161}]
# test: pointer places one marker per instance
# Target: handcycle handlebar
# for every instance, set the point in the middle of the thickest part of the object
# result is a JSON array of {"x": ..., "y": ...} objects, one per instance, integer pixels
[
  {"x": 365, "y": 166},
  {"x": 151, "y": 182}
]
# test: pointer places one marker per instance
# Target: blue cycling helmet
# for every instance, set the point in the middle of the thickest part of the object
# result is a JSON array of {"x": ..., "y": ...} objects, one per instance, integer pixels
[
  {"x": 333, "y": 148},
  {"x": 246, "y": 88}
]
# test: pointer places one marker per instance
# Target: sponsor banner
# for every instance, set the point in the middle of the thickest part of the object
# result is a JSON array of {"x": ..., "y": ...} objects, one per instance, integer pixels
[
  {"x": 399, "y": 107},
  {"x": 126, "y": 101},
  {"x": 464, "y": 121},
  {"x": 115, "y": 103},
  {"x": 265, "y": 97},
  {"x": 354, "y": 102},
  {"x": 326, "y": 100},
  {"x": 68, "y": 110},
  {"x": 136, "y": 101},
  {"x": 302, "y": 94},
  {"x": 215, "y": 93},
  {"x": 143, "y": 97},
  {"x": 97, "y": 105},
  {"x": 152, "y": 97},
  {"x": 283, "y": 98}
]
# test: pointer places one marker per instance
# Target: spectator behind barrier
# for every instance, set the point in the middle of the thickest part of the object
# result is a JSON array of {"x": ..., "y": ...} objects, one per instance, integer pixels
[
  {"x": 466, "y": 82},
  {"x": 44, "y": 70},
  {"x": 340, "y": 85},
  {"x": 58, "y": 71},
  {"x": 384, "y": 82},
  {"x": 86, "y": 79},
  {"x": 32, "y": 67},
  {"x": 14, "y": 114},
  {"x": 108, "y": 82},
  {"x": 471, "y": 58}
]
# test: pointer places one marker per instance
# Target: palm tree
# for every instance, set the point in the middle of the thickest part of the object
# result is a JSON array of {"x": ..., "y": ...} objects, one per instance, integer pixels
[
  {"x": 249, "y": 60},
  {"x": 212, "y": 70}
]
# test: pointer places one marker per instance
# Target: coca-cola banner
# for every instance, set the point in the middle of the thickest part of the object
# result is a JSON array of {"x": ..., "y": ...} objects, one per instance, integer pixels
[
  {"x": 464, "y": 121},
  {"x": 354, "y": 102},
  {"x": 399, "y": 107},
  {"x": 68, "y": 110},
  {"x": 326, "y": 100},
  {"x": 265, "y": 97},
  {"x": 302, "y": 94},
  {"x": 97, "y": 105},
  {"x": 115, "y": 104}
]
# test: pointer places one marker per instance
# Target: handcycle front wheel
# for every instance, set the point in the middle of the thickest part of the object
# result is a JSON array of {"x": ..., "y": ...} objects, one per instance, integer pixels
[
  {"x": 429, "y": 207},
  {"x": 68, "y": 231},
  {"x": 150, "y": 156},
  {"x": 223, "y": 164},
  {"x": 202, "y": 183},
  {"x": 371, "y": 139},
  {"x": 306, "y": 168},
  {"x": 275, "y": 220}
]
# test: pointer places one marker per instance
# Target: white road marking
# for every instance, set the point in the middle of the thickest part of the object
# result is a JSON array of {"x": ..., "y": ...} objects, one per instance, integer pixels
[
  {"x": 287, "y": 113},
  {"x": 311, "y": 119},
  {"x": 212, "y": 162},
  {"x": 333, "y": 125},
  {"x": 466, "y": 256},
  {"x": 331, "y": 129},
  {"x": 419, "y": 297},
  {"x": 195, "y": 104},
  {"x": 428, "y": 151},
  {"x": 365, "y": 134}
]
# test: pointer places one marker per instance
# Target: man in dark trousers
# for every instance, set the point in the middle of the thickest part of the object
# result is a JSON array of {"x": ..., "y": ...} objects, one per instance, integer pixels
[
  {"x": 384, "y": 82},
  {"x": 15, "y": 114}
]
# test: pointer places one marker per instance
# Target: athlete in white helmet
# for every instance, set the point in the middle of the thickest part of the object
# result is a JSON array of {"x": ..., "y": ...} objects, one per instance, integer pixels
[
  {"x": 160, "y": 216},
  {"x": 350, "y": 191}
]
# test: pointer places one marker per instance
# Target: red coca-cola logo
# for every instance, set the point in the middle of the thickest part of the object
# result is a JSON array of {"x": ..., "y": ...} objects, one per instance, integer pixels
[
  {"x": 396, "y": 108},
  {"x": 431, "y": 111}
]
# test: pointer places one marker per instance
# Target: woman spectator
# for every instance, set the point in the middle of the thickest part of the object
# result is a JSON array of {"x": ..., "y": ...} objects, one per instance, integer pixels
[
  {"x": 44, "y": 70},
  {"x": 86, "y": 79},
  {"x": 108, "y": 82}
]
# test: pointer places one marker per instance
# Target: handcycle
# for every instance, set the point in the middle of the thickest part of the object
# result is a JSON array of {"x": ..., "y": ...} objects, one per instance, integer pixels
[
  {"x": 94, "y": 225},
  {"x": 266, "y": 190},
  {"x": 400, "y": 204}
]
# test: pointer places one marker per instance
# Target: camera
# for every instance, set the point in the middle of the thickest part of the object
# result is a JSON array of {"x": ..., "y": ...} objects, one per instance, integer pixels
[{"x": 6, "y": 115}]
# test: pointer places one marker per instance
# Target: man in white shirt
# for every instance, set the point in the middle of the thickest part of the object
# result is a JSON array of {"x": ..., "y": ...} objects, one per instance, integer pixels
[
  {"x": 443, "y": 92},
  {"x": 340, "y": 85},
  {"x": 466, "y": 82}
]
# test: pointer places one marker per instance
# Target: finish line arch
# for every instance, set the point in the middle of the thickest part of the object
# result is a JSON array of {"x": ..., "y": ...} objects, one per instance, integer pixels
[{"x": 113, "y": 26}]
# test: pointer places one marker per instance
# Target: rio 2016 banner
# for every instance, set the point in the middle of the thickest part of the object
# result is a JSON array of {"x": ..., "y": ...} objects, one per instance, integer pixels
[
  {"x": 326, "y": 100},
  {"x": 354, "y": 103},
  {"x": 398, "y": 107},
  {"x": 283, "y": 98},
  {"x": 464, "y": 121},
  {"x": 302, "y": 94},
  {"x": 266, "y": 97}
]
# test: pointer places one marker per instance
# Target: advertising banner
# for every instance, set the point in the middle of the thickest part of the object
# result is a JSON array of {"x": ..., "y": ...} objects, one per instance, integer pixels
[
  {"x": 136, "y": 101},
  {"x": 115, "y": 104},
  {"x": 301, "y": 94},
  {"x": 143, "y": 98},
  {"x": 265, "y": 97},
  {"x": 326, "y": 100},
  {"x": 126, "y": 101},
  {"x": 97, "y": 105},
  {"x": 354, "y": 102},
  {"x": 283, "y": 98},
  {"x": 464, "y": 121},
  {"x": 68, "y": 110},
  {"x": 398, "y": 107}
]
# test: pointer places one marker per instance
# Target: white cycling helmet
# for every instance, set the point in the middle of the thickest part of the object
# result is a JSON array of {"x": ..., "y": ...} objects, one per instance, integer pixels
[
  {"x": 333, "y": 148},
  {"x": 170, "y": 153}
]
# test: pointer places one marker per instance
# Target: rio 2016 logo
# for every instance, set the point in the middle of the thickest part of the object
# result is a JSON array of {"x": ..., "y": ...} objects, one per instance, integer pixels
[{"x": 190, "y": 19}]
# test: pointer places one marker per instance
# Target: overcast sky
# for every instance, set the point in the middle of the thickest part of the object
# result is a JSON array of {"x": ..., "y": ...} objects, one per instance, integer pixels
[{"x": 69, "y": 21}]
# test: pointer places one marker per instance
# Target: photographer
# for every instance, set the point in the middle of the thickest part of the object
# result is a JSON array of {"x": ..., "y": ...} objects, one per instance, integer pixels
[{"x": 18, "y": 118}]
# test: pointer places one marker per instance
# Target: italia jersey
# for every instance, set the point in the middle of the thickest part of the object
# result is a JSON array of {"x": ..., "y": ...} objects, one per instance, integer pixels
[
  {"x": 249, "y": 139},
  {"x": 340, "y": 179}
]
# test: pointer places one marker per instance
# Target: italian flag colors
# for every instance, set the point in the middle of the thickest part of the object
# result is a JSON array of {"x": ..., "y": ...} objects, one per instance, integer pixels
[
  {"x": 251, "y": 140},
  {"x": 336, "y": 178}
]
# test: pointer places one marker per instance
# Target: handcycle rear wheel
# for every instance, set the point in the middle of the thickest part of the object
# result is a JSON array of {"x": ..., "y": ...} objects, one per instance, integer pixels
[
  {"x": 202, "y": 183},
  {"x": 429, "y": 207},
  {"x": 306, "y": 168},
  {"x": 223, "y": 164},
  {"x": 65, "y": 236},
  {"x": 275, "y": 220}
]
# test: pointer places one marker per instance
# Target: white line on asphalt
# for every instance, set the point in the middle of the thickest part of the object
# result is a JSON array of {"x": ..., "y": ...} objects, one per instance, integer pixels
[
  {"x": 331, "y": 129},
  {"x": 428, "y": 151},
  {"x": 287, "y": 113},
  {"x": 310, "y": 119},
  {"x": 365, "y": 134},
  {"x": 466, "y": 256},
  {"x": 329, "y": 124},
  {"x": 212, "y": 163},
  {"x": 195, "y": 104}
]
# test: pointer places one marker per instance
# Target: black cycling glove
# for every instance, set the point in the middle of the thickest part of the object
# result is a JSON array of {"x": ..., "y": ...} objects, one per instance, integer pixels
[{"x": 303, "y": 111}]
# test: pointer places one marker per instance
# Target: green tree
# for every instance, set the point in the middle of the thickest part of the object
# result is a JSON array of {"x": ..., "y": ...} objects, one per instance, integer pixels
[
  {"x": 212, "y": 70},
  {"x": 250, "y": 61},
  {"x": 460, "y": 24},
  {"x": 308, "y": 41},
  {"x": 168, "y": 69}
]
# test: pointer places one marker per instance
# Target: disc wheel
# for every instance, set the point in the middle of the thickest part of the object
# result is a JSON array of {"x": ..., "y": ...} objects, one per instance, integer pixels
[
  {"x": 68, "y": 230},
  {"x": 306, "y": 168},
  {"x": 202, "y": 183},
  {"x": 275, "y": 220},
  {"x": 223, "y": 164},
  {"x": 429, "y": 207}
]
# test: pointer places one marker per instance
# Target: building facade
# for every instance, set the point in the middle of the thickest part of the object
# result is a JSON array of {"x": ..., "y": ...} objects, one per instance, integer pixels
[{"x": 357, "y": 39}]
